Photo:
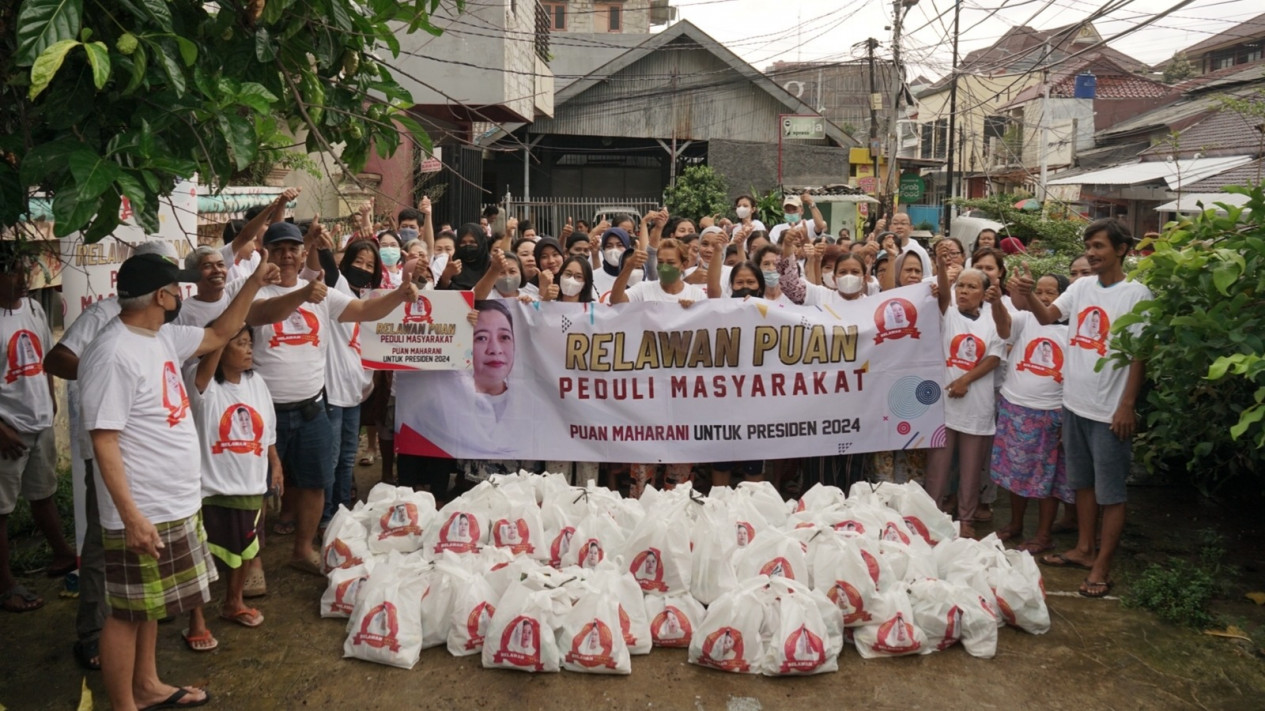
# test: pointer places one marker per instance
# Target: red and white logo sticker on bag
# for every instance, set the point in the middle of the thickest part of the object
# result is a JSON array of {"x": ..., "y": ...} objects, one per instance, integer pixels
[
  {"x": 592, "y": 647},
  {"x": 723, "y": 650},
  {"x": 803, "y": 650},
  {"x": 520, "y": 644},
  {"x": 671, "y": 628},
  {"x": 460, "y": 534},
  {"x": 379, "y": 628},
  {"x": 647, "y": 568}
]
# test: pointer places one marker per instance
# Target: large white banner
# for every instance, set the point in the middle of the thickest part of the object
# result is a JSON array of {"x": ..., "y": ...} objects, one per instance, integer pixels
[{"x": 724, "y": 380}]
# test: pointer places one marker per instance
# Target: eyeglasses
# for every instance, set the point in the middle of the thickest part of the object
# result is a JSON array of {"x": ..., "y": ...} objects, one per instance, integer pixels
[{"x": 954, "y": 253}]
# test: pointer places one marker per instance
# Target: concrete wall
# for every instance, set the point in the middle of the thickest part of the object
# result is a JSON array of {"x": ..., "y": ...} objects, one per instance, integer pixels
[
  {"x": 591, "y": 16},
  {"x": 746, "y": 165}
]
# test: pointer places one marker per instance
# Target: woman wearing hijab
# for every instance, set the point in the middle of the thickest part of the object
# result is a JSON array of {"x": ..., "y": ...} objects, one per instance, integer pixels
[
  {"x": 614, "y": 243},
  {"x": 474, "y": 255},
  {"x": 549, "y": 257}
]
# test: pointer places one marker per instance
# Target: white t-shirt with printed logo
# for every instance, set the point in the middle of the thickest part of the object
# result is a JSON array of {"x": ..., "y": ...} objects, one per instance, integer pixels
[
  {"x": 345, "y": 376},
  {"x": 26, "y": 404},
  {"x": 79, "y": 334},
  {"x": 130, "y": 382},
  {"x": 237, "y": 424},
  {"x": 653, "y": 291},
  {"x": 1091, "y": 309},
  {"x": 966, "y": 343},
  {"x": 1035, "y": 370},
  {"x": 195, "y": 312},
  {"x": 291, "y": 354},
  {"x": 239, "y": 268}
]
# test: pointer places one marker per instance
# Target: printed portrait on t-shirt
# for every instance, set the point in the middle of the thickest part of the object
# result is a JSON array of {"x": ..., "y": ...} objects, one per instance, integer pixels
[
  {"x": 302, "y": 327},
  {"x": 966, "y": 350},
  {"x": 25, "y": 356},
  {"x": 175, "y": 399},
  {"x": 241, "y": 431},
  {"x": 1092, "y": 327},
  {"x": 1042, "y": 357}
]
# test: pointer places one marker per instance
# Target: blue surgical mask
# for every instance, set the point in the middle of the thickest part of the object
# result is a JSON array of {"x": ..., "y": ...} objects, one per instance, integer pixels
[
  {"x": 771, "y": 278},
  {"x": 792, "y": 218}
]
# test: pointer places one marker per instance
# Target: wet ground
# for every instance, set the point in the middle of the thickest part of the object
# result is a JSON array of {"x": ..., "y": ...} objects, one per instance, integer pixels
[{"x": 1098, "y": 654}]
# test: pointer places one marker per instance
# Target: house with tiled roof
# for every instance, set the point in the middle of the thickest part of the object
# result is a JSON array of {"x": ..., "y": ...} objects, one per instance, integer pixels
[
  {"x": 1238, "y": 46},
  {"x": 998, "y": 75}
]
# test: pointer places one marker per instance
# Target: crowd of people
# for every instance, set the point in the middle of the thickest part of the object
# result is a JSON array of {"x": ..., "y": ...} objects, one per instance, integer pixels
[{"x": 194, "y": 413}]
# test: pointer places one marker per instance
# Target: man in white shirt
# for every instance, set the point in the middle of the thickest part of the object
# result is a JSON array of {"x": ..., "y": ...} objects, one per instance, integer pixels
[
  {"x": 795, "y": 210},
  {"x": 293, "y": 364},
  {"x": 149, "y": 473},
  {"x": 904, "y": 230},
  {"x": 1099, "y": 420},
  {"x": 28, "y": 453}
]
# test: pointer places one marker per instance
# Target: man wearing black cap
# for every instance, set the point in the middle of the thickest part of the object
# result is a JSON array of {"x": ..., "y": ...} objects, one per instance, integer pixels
[
  {"x": 148, "y": 469},
  {"x": 290, "y": 354}
]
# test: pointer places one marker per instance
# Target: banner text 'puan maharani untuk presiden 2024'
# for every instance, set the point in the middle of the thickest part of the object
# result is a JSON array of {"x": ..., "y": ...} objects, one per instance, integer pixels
[{"x": 722, "y": 380}]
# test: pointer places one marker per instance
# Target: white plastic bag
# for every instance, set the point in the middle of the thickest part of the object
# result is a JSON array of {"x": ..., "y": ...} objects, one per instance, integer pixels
[
  {"x": 1020, "y": 594},
  {"x": 386, "y": 625},
  {"x": 658, "y": 552},
  {"x": 590, "y": 639},
  {"x": 763, "y": 495},
  {"x": 473, "y": 605},
  {"x": 345, "y": 543},
  {"x": 730, "y": 637},
  {"x": 634, "y": 623},
  {"x": 673, "y": 619},
  {"x": 806, "y": 641},
  {"x": 923, "y": 517},
  {"x": 772, "y": 553},
  {"x": 893, "y": 632},
  {"x": 342, "y": 590},
  {"x": 520, "y": 531},
  {"x": 948, "y": 614},
  {"x": 522, "y": 634},
  {"x": 850, "y": 571},
  {"x": 711, "y": 557},
  {"x": 597, "y": 537},
  {"x": 398, "y": 518}
]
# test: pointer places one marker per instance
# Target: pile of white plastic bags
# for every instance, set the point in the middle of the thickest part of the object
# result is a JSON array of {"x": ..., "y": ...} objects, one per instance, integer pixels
[{"x": 536, "y": 575}]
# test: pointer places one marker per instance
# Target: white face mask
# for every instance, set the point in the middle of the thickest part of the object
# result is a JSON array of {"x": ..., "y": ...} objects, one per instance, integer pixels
[
  {"x": 828, "y": 280},
  {"x": 509, "y": 283},
  {"x": 743, "y": 212},
  {"x": 849, "y": 284},
  {"x": 570, "y": 286},
  {"x": 612, "y": 255}
]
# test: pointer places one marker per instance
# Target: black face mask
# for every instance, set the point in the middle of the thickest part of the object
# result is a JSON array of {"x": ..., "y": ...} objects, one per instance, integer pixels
[
  {"x": 468, "y": 252},
  {"x": 359, "y": 279},
  {"x": 169, "y": 316},
  {"x": 744, "y": 293}
]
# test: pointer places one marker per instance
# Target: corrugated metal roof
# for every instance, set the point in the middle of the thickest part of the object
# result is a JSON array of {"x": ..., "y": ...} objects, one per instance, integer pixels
[
  {"x": 1198, "y": 202},
  {"x": 1225, "y": 131},
  {"x": 1246, "y": 174},
  {"x": 1173, "y": 173},
  {"x": 1248, "y": 29}
]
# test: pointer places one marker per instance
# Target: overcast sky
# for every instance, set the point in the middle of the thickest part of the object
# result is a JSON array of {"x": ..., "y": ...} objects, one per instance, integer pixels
[{"x": 764, "y": 31}]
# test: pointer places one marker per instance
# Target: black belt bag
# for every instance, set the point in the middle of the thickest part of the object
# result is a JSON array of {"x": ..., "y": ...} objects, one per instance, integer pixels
[{"x": 309, "y": 408}]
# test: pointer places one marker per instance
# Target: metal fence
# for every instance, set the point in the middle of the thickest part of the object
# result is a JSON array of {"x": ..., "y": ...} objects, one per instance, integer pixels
[{"x": 548, "y": 215}]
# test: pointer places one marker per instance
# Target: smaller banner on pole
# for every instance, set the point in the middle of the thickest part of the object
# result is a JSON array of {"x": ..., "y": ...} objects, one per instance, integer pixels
[{"x": 431, "y": 333}]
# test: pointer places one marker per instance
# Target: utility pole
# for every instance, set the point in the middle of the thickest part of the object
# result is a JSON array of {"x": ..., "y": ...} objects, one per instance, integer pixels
[
  {"x": 953, "y": 117},
  {"x": 1045, "y": 123},
  {"x": 898, "y": 86},
  {"x": 876, "y": 102}
]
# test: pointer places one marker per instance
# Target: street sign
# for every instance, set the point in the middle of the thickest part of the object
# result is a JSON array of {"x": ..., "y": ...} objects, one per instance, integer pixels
[
  {"x": 912, "y": 187},
  {"x": 803, "y": 127},
  {"x": 432, "y": 163}
]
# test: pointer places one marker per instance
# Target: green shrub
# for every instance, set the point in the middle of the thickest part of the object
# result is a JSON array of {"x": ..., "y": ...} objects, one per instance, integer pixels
[
  {"x": 1178, "y": 593},
  {"x": 1203, "y": 341},
  {"x": 699, "y": 191}
]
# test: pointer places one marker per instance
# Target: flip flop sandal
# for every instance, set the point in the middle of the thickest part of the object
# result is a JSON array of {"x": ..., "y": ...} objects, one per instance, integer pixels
[
  {"x": 983, "y": 516},
  {"x": 173, "y": 701},
  {"x": 86, "y": 651},
  {"x": 1094, "y": 589},
  {"x": 250, "y": 617},
  {"x": 284, "y": 528},
  {"x": 1058, "y": 560},
  {"x": 311, "y": 565},
  {"x": 255, "y": 585},
  {"x": 29, "y": 600},
  {"x": 200, "y": 643},
  {"x": 1034, "y": 548},
  {"x": 366, "y": 460}
]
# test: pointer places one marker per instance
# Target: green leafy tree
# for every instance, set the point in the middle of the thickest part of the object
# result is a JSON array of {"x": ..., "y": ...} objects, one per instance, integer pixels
[
  {"x": 1053, "y": 240},
  {"x": 1178, "y": 69},
  {"x": 699, "y": 191},
  {"x": 110, "y": 99},
  {"x": 1203, "y": 339}
]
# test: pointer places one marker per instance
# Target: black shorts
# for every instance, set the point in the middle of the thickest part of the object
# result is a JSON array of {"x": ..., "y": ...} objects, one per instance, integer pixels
[{"x": 430, "y": 473}]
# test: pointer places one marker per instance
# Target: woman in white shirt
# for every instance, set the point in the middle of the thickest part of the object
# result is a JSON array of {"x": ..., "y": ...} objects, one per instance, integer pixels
[
  {"x": 392, "y": 259},
  {"x": 503, "y": 279},
  {"x": 237, "y": 426},
  {"x": 970, "y": 408},
  {"x": 1027, "y": 457},
  {"x": 744, "y": 208}
]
